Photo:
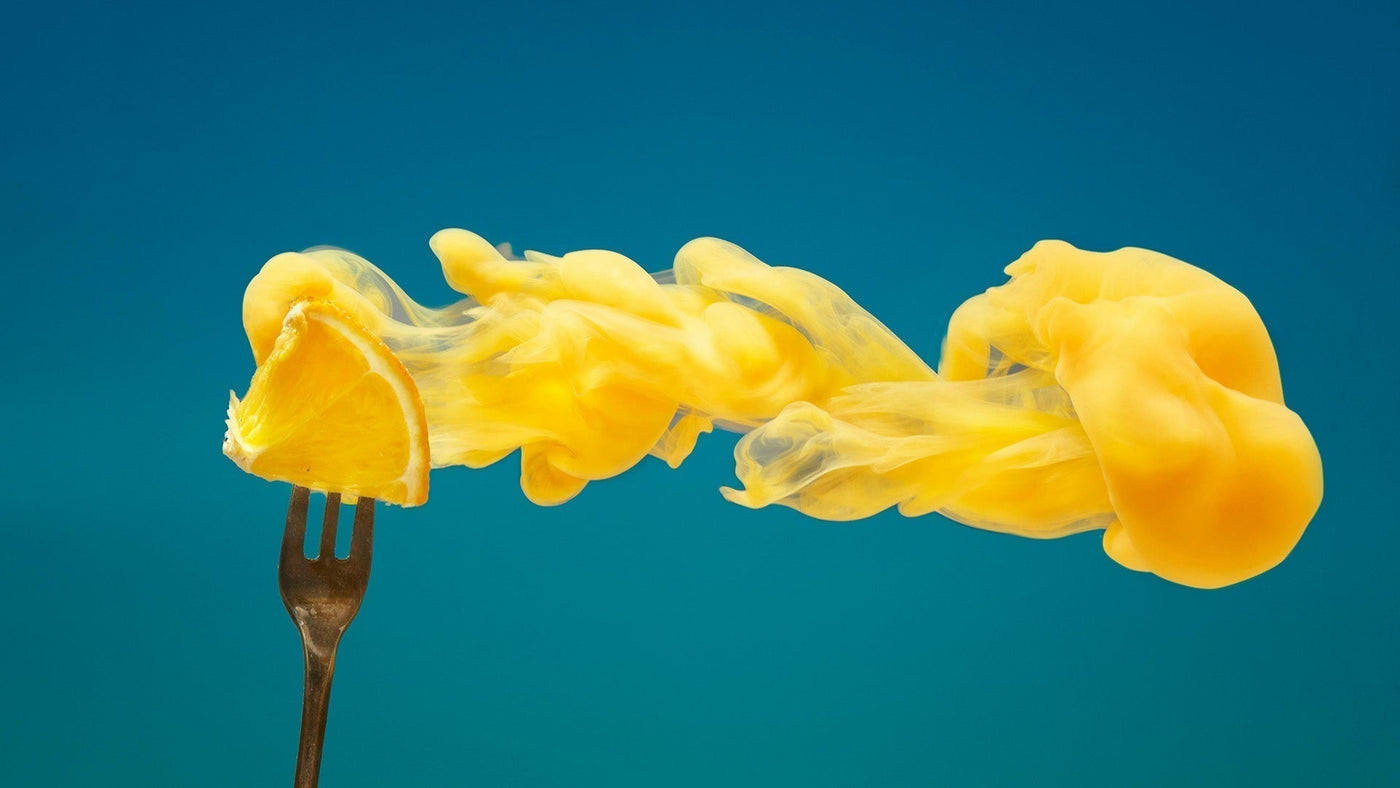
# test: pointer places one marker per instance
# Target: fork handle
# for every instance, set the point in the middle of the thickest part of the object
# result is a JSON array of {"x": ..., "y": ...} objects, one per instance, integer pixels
[{"x": 315, "y": 704}]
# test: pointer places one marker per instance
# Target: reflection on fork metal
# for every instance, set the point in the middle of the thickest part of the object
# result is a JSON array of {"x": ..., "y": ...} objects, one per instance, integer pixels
[{"x": 322, "y": 595}]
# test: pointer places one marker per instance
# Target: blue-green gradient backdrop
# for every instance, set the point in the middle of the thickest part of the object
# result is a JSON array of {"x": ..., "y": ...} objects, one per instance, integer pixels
[{"x": 648, "y": 633}]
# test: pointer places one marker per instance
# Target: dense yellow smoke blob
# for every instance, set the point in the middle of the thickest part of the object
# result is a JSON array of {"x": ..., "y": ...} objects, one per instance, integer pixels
[{"x": 1126, "y": 391}]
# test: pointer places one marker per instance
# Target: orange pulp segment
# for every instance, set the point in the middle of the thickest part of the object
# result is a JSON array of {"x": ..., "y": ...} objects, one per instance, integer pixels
[{"x": 332, "y": 409}]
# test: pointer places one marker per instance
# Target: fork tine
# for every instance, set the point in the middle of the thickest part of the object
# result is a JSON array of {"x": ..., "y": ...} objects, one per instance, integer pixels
[
  {"x": 294, "y": 536},
  {"x": 362, "y": 540},
  {"x": 328, "y": 523}
]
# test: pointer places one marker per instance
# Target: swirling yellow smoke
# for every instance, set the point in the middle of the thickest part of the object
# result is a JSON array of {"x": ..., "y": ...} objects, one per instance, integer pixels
[{"x": 1125, "y": 391}]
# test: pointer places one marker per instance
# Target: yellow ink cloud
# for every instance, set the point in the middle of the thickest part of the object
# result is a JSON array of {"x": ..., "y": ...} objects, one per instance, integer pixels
[{"x": 1125, "y": 391}]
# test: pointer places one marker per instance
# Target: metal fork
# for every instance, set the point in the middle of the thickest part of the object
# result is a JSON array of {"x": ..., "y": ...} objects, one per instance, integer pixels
[{"x": 322, "y": 595}]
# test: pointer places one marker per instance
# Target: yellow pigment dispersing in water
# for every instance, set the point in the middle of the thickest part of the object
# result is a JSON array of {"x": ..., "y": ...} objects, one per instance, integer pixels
[{"x": 1125, "y": 391}]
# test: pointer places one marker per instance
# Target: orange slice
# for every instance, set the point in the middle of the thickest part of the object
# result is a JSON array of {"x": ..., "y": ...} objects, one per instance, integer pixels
[{"x": 332, "y": 409}]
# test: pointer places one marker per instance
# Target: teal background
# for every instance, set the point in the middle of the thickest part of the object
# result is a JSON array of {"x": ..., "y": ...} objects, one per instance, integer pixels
[{"x": 648, "y": 633}]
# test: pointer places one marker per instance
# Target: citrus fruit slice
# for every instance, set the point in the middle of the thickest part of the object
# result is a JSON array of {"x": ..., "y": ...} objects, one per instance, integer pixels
[{"x": 332, "y": 409}]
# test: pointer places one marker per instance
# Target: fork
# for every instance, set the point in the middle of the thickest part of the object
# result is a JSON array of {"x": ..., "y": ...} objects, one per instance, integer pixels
[{"x": 322, "y": 595}]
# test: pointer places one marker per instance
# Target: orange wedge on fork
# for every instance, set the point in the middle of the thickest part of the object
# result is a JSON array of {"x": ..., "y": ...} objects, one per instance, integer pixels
[{"x": 332, "y": 409}]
